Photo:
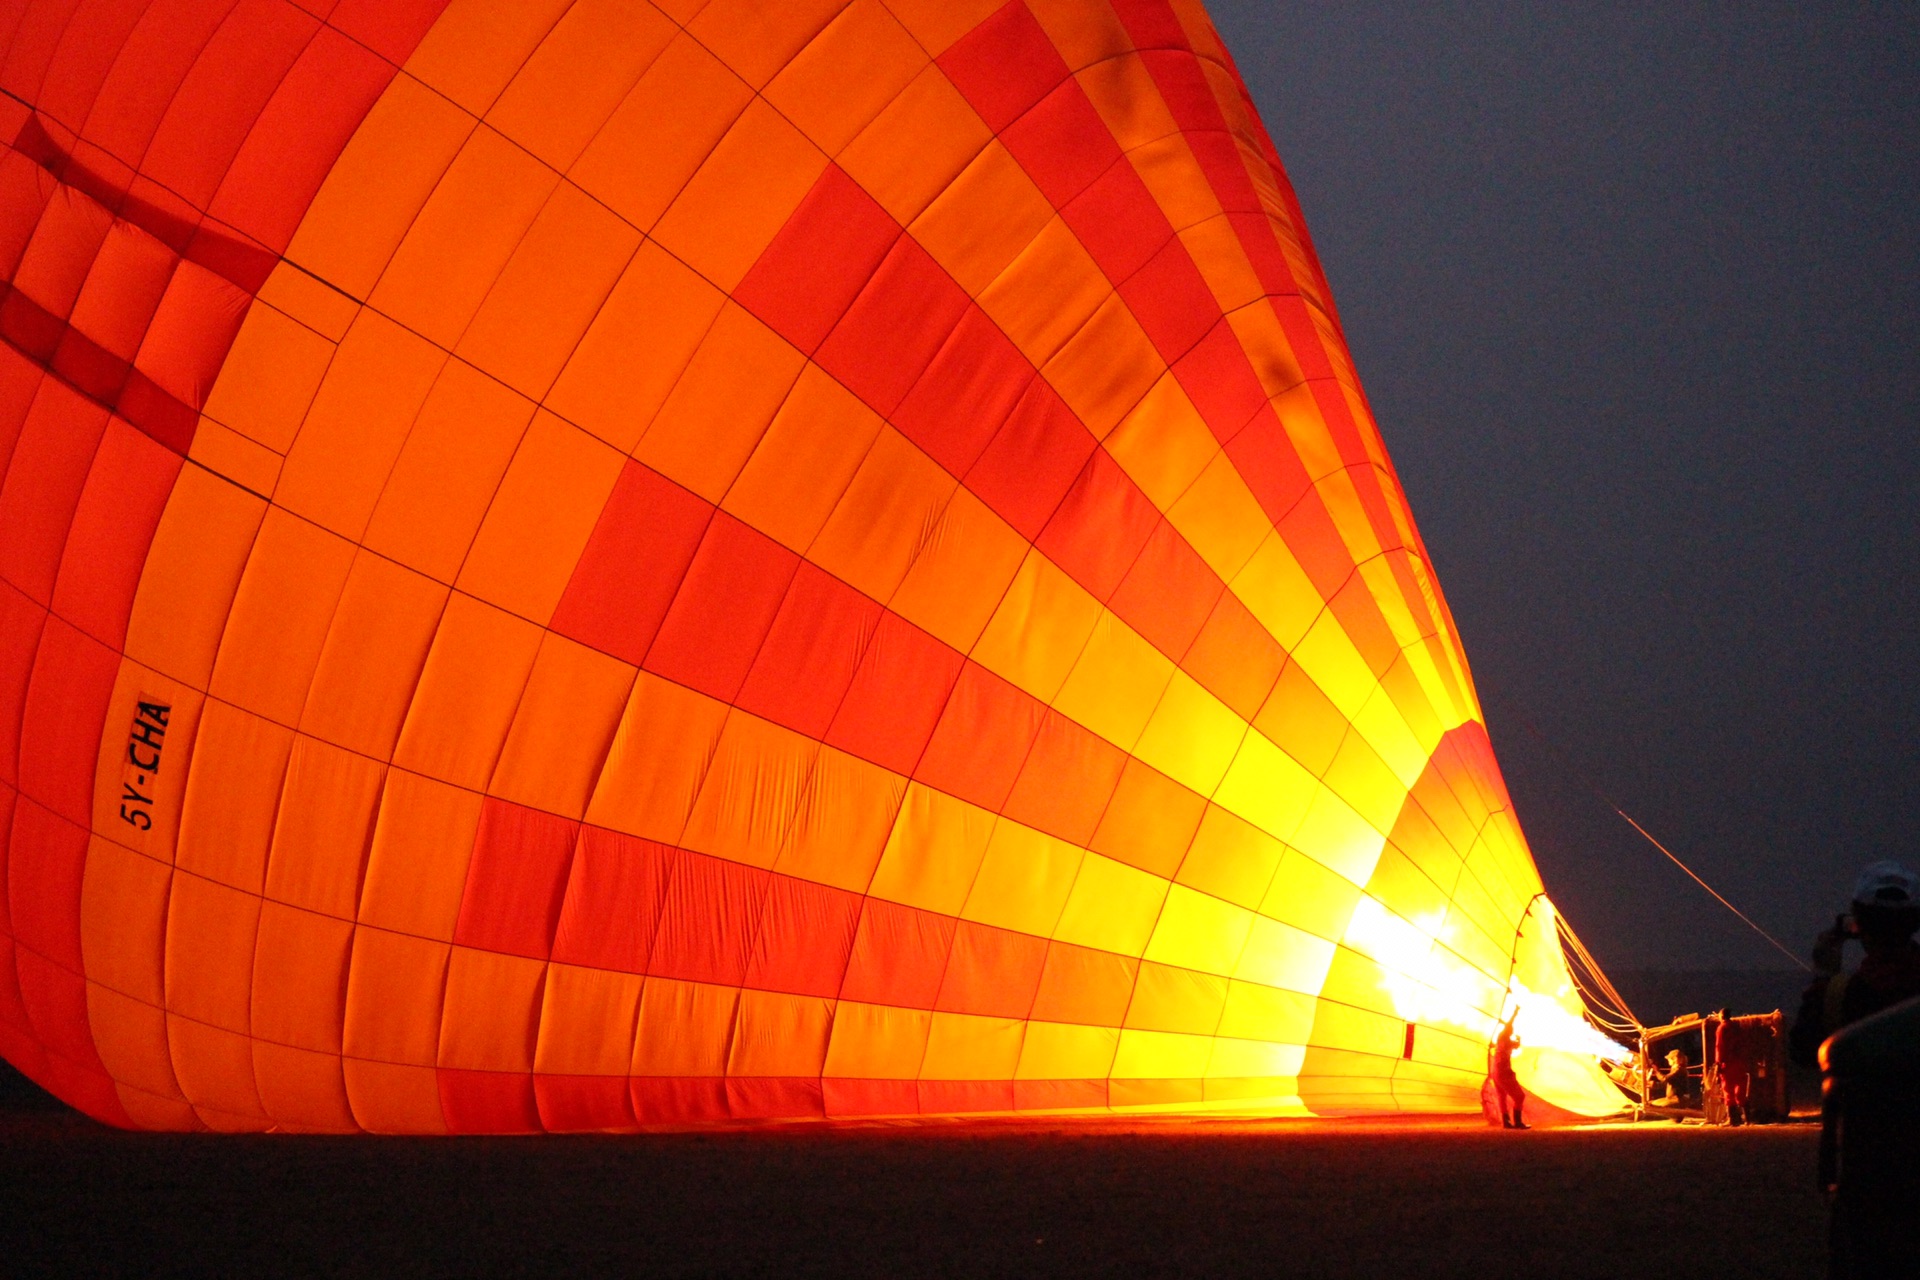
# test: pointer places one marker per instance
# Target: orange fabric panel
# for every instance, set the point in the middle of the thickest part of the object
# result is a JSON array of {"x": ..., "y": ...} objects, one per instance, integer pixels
[
  {"x": 566, "y": 89},
  {"x": 467, "y": 693},
  {"x": 280, "y": 616},
  {"x": 372, "y": 656},
  {"x": 417, "y": 859},
  {"x": 322, "y": 828}
]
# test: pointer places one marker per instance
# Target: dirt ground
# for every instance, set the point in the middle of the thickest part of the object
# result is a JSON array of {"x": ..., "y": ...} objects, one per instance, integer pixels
[{"x": 1176, "y": 1198}]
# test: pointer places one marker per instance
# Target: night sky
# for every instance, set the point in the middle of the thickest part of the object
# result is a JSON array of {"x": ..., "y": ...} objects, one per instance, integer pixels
[{"x": 1635, "y": 296}]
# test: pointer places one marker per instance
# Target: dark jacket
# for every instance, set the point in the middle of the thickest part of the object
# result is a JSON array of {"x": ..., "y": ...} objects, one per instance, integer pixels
[{"x": 1881, "y": 981}]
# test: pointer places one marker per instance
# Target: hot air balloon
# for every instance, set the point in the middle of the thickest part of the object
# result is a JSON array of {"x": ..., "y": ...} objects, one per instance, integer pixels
[{"x": 584, "y": 564}]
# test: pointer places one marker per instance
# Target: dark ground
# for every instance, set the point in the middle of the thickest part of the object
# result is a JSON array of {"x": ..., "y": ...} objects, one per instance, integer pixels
[{"x": 1200, "y": 1198}]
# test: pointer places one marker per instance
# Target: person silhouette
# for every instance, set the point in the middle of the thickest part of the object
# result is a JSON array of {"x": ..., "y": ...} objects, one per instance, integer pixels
[{"x": 1506, "y": 1085}]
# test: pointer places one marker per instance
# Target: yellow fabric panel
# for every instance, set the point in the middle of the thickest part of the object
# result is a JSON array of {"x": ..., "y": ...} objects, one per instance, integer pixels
[
  {"x": 587, "y": 1022},
  {"x": 280, "y": 617},
  {"x": 1192, "y": 736},
  {"x": 684, "y": 1029},
  {"x": 1123, "y": 91},
  {"x": 916, "y": 146},
  {"x": 233, "y": 792},
  {"x": 123, "y": 919},
  {"x": 1162, "y": 444},
  {"x": 1023, "y": 881},
  {"x": 390, "y": 1097},
  {"x": 192, "y": 570},
  {"x": 322, "y": 827},
  {"x": 372, "y": 656},
  {"x": 1253, "y": 322},
  {"x": 876, "y": 1042},
  {"x": 1199, "y": 932},
  {"x": 1166, "y": 998},
  {"x": 1306, "y": 429},
  {"x": 475, "y": 47},
  {"x": 549, "y": 291},
  {"x": 1267, "y": 787},
  {"x": 846, "y": 75},
  {"x": 1256, "y": 1011},
  {"x": 721, "y": 404},
  {"x": 565, "y": 90},
  {"x": 1083, "y": 34},
  {"x": 1328, "y": 655},
  {"x": 1103, "y": 370},
  {"x": 1387, "y": 732},
  {"x": 1037, "y": 633},
  {"x": 377, "y": 187},
  {"x": 1361, "y": 778},
  {"x": 961, "y": 572},
  {"x": 636, "y": 348},
  {"x": 1302, "y": 720},
  {"x": 659, "y": 757},
  {"x": 232, "y": 456},
  {"x": 1149, "y": 822},
  {"x": 661, "y": 132},
  {"x": 269, "y": 378},
  {"x": 780, "y": 1035},
  {"x": 209, "y": 953},
  {"x": 417, "y": 859},
  {"x": 1220, "y": 518},
  {"x": 1178, "y": 185},
  {"x": 461, "y": 239},
  {"x": 1277, "y": 591},
  {"x": 299, "y": 977},
  {"x": 563, "y": 727},
  {"x": 973, "y": 249},
  {"x": 965, "y": 1046},
  {"x": 1243, "y": 1059},
  {"x": 739, "y": 197},
  {"x": 845, "y": 817},
  {"x": 435, "y": 496},
  {"x": 1280, "y": 955},
  {"x": 751, "y": 791},
  {"x": 878, "y": 525},
  {"x": 540, "y": 519},
  {"x": 933, "y": 852},
  {"x": 394, "y": 989},
  {"x": 1214, "y": 245},
  {"x": 1310, "y": 897},
  {"x": 1116, "y": 682},
  {"x": 359, "y": 420},
  {"x": 1231, "y": 859},
  {"x": 1047, "y": 293},
  {"x": 804, "y": 462},
  {"x": 492, "y": 1011},
  {"x": 468, "y": 691},
  {"x": 1111, "y": 906},
  {"x": 1161, "y": 1055},
  {"x": 1065, "y": 1051},
  {"x": 1339, "y": 839}
]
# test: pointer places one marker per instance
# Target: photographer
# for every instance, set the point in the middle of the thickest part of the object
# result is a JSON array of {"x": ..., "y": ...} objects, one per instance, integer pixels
[{"x": 1885, "y": 916}]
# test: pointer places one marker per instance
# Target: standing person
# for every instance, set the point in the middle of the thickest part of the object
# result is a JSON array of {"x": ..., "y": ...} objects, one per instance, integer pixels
[
  {"x": 1884, "y": 918},
  {"x": 1506, "y": 1085},
  {"x": 1733, "y": 1058}
]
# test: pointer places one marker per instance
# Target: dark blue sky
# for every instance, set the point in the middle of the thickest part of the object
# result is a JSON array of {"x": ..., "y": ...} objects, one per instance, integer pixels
[{"x": 1635, "y": 295}]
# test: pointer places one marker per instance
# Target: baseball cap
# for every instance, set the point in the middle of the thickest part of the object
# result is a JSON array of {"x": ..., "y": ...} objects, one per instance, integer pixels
[{"x": 1887, "y": 884}]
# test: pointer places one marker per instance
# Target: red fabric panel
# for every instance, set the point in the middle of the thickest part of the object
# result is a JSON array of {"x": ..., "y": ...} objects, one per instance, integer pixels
[
  {"x": 1067, "y": 780},
  {"x": 1222, "y": 385},
  {"x": 899, "y": 956},
  {"x": 155, "y": 411},
  {"x": 1100, "y": 527},
  {"x": 56, "y": 1001},
  {"x": 85, "y": 56},
  {"x": 65, "y": 712},
  {"x": 516, "y": 881},
  {"x": 1373, "y": 499},
  {"x": 19, "y": 384},
  {"x": 62, "y": 250},
  {"x": 34, "y": 40},
  {"x": 1151, "y": 24},
  {"x": 1267, "y": 461},
  {"x": 889, "y": 711},
  {"x": 391, "y": 28},
  {"x": 713, "y": 907},
  {"x": 806, "y": 931},
  {"x": 488, "y": 1101},
  {"x": 20, "y": 622},
  {"x": 870, "y": 1097},
  {"x": 298, "y": 137},
  {"x": 1063, "y": 144},
  {"x": 724, "y": 610},
  {"x": 1236, "y": 658},
  {"x": 25, "y": 189},
  {"x": 8, "y": 798},
  {"x": 1268, "y": 260},
  {"x": 808, "y": 661},
  {"x": 583, "y": 1104},
  {"x": 774, "y": 1097},
  {"x": 113, "y": 526},
  {"x": 982, "y": 739},
  {"x": 1360, "y": 617},
  {"x": 633, "y": 564},
  {"x": 1310, "y": 534},
  {"x": 992, "y": 972},
  {"x": 808, "y": 276},
  {"x": 96, "y": 371},
  {"x": 958, "y": 1097},
  {"x": 1059, "y": 1095},
  {"x": 1168, "y": 593},
  {"x": 972, "y": 384},
  {"x": 30, "y": 327},
  {"x": 1118, "y": 220},
  {"x": 615, "y": 895},
  {"x": 151, "y": 66},
  {"x": 889, "y": 336},
  {"x": 47, "y": 860},
  {"x": 1171, "y": 301},
  {"x": 678, "y": 1099},
  {"x": 1080, "y": 984},
  {"x": 1004, "y": 65},
  {"x": 192, "y": 329},
  {"x": 1033, "y": 460}
]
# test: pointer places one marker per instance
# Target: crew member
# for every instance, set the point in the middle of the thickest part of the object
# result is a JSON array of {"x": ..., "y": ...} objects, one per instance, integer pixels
[
  {"x": 1506, "y": 1085},
  {"x": 1884, "y": 918}
]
